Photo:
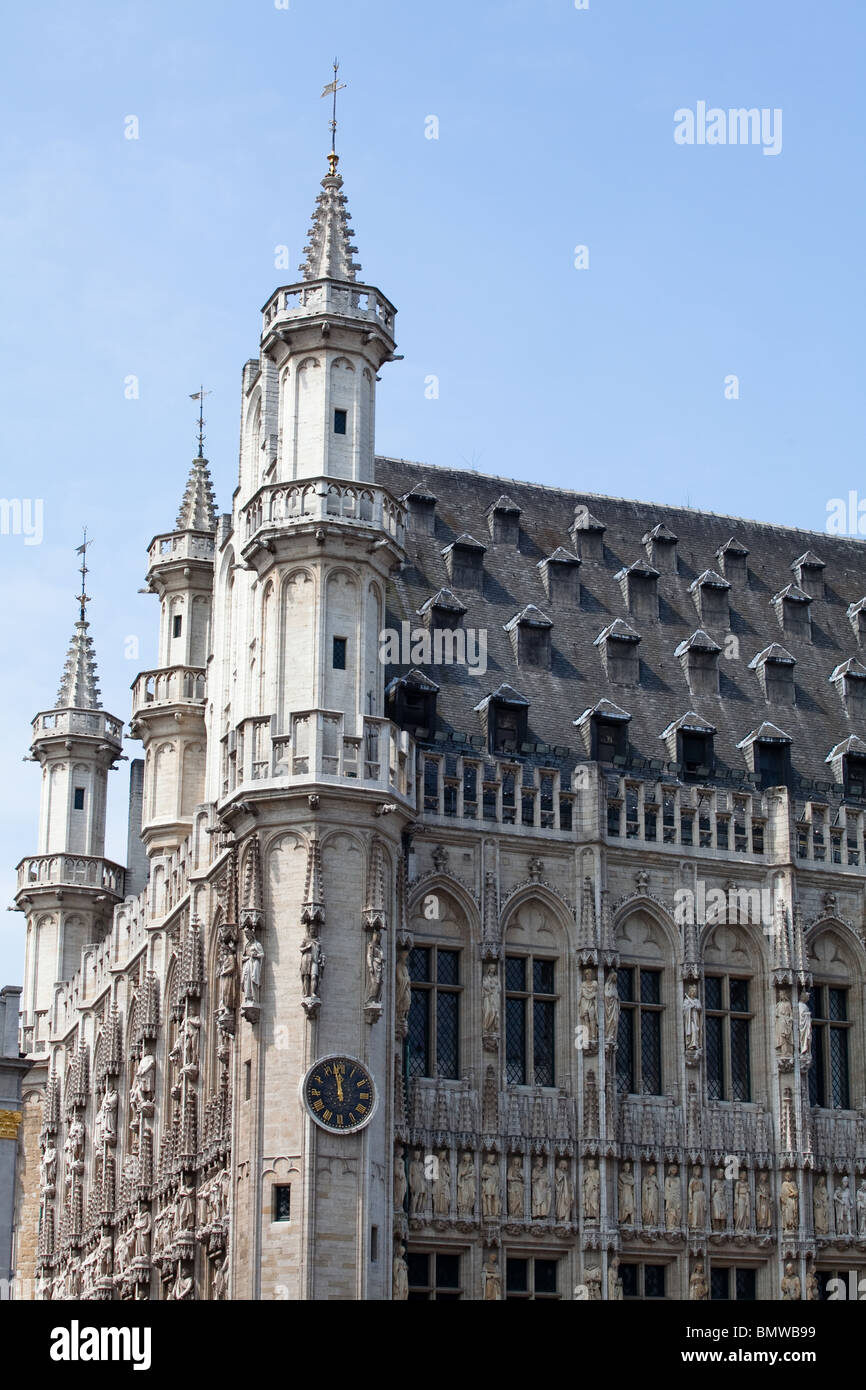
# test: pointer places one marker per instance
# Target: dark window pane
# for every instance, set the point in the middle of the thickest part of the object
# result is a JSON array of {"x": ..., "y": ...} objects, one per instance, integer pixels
[
  {"x": 515, "y": 973},
  {"x": 542, "y": 976},
  {"x": 839, "y": 1067},
  {"x": 545, "y": 1276},
  {"x": 419, "y": 1270},
  {"x": 339, "y": 422},
  {"x": 448, "y": 967},
  {"x": 715, "y": 1074},
  {"x": 419, "y": 1033},
  {"x": 419, "y": 964},
  {"x": 741, "y": 1081},
  {"x": 517, "y": 1276},
  {"x": 739, "y": 996},
  {"x": 515, "y": 1041},
  {"x": 650, "y": 987},
  {"x": 719, "y": 1283},
  {"x": 628, "y": 1274},
  {"x": 447, "y": 1271},
  {"x": 282, "y": 1203},
  {"x": 446, "y": 1034},
  {"x": 816, "y": 999},
  {"x": 817, "y": 1077},
  {"x": 838, "y": 1005},
  {"x": 78, "y": 800},
  {"x": 654, "y": 1281},
  {"x": 713, "y": 991},
  {"x": 745, "y": 1281},
  {"x": 625, "y": 1052},
  {"x": 339, "y": 662},
  {"x": 625, "y": 983},
  {"x": 542, "y": 1028},
  {"x": 651, "y": 1053}
]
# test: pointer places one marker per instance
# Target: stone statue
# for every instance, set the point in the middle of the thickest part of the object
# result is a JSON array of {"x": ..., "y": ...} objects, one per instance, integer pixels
[
  {"x": 844, "y": 1207},
  {"x": 490, "y": 999},
  {"x": 400, "y": 1290},
  {"x": 221, "y": 1279},
  {"x": 400, "y": 1184},
  {"x": 692, "y": 1011},
  {"x": 650, "y": 1197},
  {"x": 228, "y": 983},
  {"x": 105, "y": 1128},
  {"x": 417, "y": 1184},
  {"x": 673, "y": 1199},
  {"x": 790, "y": 1284},
  {"x": 698, "y": 1288},
  {"x": 190, "y": 1031},
  {"x": 861, "y": 1208},
  {"x": 466, "y": 1184},
  {"x": 442, "y": 1185},
  {"x": 591, "y": 1191},
  {"x": 587, "y": 1010},
  {"x": 763, "y": 1216},
  {"x": 718, "y": 1202},
  {"x": 742, "y": 1203},
  {"x": 614, "y": 1282},
  {"x": 784, "y": 1026},
  {"x": 491, "y": 1201},
  {"x": 564, "y": 1193},
  {"x": 592, "y": 1279},
  {"x": 626, "y": 1194},
  {"x": 813, "y": 1291},
  {"x": 697, "y": 1201},
  {"x": 821, "y": 1206},
  {"x": 312, "y": 962},
  {"x": 804, "y": 1016},
  {"x": 142, "y": 1233},
  {"x": 541, "y": 1194},
  {"x": 611, "y": 1010},
  {"x": 514, "y": 1185},
  {"x": 186, "y": 1205},
  {"x": 491, "y": 1279},
  {"x": 403, "y": 989},
  {"x": 375, "y": 967},
  {"x": 789, "y": 1202},
  {"x": 142, "y": 1088},
  {"x": 48, "y": 1169},
  {"x": 251, "y": 969},
  {"x": 182, "y": 1287}
]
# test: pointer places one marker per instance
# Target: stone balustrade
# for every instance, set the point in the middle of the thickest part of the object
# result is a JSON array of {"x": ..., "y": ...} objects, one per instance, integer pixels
[
  {"x": 94, "y": 723},
  {"x": 180, "y": 545},
  {"x": 332, "y": 297},
  {"x": 279, "y": 505},
  {"x": 171, "y": 685},
  {"x": 70, "y": 870}
]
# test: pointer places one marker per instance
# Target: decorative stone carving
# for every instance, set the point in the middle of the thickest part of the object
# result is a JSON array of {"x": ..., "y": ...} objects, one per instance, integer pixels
[
  {"x": 541, "y": 1193},
  {"x": 763, "y": 1215},
  {"x": 650, "y": 1197},
  {"x": 228, "y": 983},
  {"x": 587, "y": 1011},
  {"x": 105, "y": 1127},
  {"x": 742, "y": 1203},
  {"x": 804, "y": 1018},
  {"x": 591, "y": 1191},
  {"x": 491, "y": 1198},
  {"x": 400, "y": 1182},
  {"x": 821, "y": 1206},
  {"x": 784, "y": 1027},
  {"x": 697, "y": 1201},
  {"x": 515, "y": 1187},
  {"x": 698, "y": 1287},
  {"x": 718, "y": 1201},
  {"x": 251, "y": 976},
  {"x": 844, "y": 1207},
  {"x": 614, "y": 1282},
  {"x": 490, "y": 1005},
  {"x": 466, "y": 1185},
  {"x": 403, "y": 998},
  {"x": 789, "y": 1203},
  {"x": 312, "y": 968},
  {"x": 673, "y": 1199},
  {"x": 626, "y": 1194},
  {"x": 564, "y": 1198},
  {"x": 48, "y": 1169},
  {"x": 375, "y": 964},
  {"x": 417, "y": 1184},
  {"x": 692, "y": 1024},
  {"x": 442, "y": 1185},
  {"x": 491, "y": 1279},
  {"x": 861, "y": 1208},
  {"x": 611, "y": 1011},
  {"x": 790, "y": 1284}
]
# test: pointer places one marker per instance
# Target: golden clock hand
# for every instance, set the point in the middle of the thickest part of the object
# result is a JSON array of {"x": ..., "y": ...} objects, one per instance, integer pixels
[{"x": 339, "y": 1087}]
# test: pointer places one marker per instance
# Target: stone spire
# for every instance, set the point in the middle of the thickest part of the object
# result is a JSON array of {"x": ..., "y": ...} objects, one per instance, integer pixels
[
  {"x": 330, "y": 250},
  {"x": 198, "y": 508},
  {"x": 78, "y": 688}
]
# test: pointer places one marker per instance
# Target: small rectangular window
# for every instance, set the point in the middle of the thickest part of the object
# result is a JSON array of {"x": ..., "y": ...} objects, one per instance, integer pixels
[
  {"x": 282, "y": 1203},
  {"x": 177, "y": 625},
  {"x": 248, "y": 1072},
  {"x": 340, "y": 421},
  {"x": 78, "y": 799},
  {"x": 374, "y": 1245},
  {"x": 339, "y": 660}
]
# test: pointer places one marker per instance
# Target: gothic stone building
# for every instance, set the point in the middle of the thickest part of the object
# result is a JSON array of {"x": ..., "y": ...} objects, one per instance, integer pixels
[{"x": 535, "y": 978}]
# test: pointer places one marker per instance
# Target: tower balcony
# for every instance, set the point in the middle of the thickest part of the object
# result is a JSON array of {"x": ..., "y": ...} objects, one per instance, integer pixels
[
  {"x": 180, "y": 548},
  {"x": 328, "y": 299},
  {"x": 168, "y": 687},
  {"x": 64, "y": 723},
  {"x": 51, "y": 871},
  {"x": 279, "y": 507}
]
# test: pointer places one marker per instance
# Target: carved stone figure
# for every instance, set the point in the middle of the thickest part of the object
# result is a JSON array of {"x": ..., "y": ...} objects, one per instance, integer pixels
[
  {"x": 614, "y": 1282},
  {"x": 673, "y": 1199},
  {"x": 611, "y": 1010},
  {"x": 442, "y": 1185},
  {"x": 491, "y": 1200},
  {"x": 591, "y": 1191},
  {"x": 592, "y": 1279},
  {"x": 784, "y": 1026},
  {"x": 742, "y": 1203},
  {"x": 541, "y": 1194},
  {"x": 182, "y": 1287},
  {"x": 626, "y": 1194},
  {"x": 251, "y": 969},
  {"x": 692, "y": 1011},
  {"x": 697, "y": 1201},
  {"x": 861, "y": 1208},
  {"x": 804, "y": 1018},
  {"x": 105, "y": 1260},
  {"x": 228, "y": 983},
  {"x": 142, "y": 1088},
  {"x": 587, "y": 1010},
  {"x": 48, "y": 1169},
  {"x": 403, "y": 990},
  {"x": 186, "y": 1205},
  {"x": 490, "y": 999},
  {"x": 763, "y": 1214},
  {"x": 375, "y": 967},
  {"x": 142, "y": 1233},
  {"x": 221, "y": 1279},
  {"x": 790, "y": 1284},
  {"x": 400, "y": 1289},
  {"x": 844, "y": 1207},
  {"x": 564, "y": 1198},
  {"x": 813, "y": 1291},
  {"x": 515, "y": 1186},
  {"x": 311, "y": 966},
  {"x": 789, "y": 1202},
  {"x": 649, "y": 1197},
  {"x": 821, "y": 1206},
  {"x": 400, "y": 1183},
  {"x": 698, "y": 1287},
  {"x": 718, "y": 1202},
  {"x": 190, "y": 1032},
  {"x": 417, "y": 1184},
  {"x": 105, "y": 1128},
  {"x": 466, "y": 1184},
  {"x": 491, "y": 1279}
]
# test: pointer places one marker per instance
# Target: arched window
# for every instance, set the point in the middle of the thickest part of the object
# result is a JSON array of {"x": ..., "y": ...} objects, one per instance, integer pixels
[
  {"x": 437, "y": 969},
  {"x": 830, "y": 1004},
  {"x": 534, "y": 984},
  {"x": 731, "y": 993},
  {"x": 643, "y": 989}
]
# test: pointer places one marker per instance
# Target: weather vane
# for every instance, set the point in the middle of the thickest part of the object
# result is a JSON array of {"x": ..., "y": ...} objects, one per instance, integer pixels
[
  {"x": 331, "y": 90},
  {"x": 82, "y": 597},
  {"x": 199, "y": 396}
]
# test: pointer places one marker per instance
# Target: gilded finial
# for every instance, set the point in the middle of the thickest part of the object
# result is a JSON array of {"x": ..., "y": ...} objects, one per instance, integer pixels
[{"x": 331, "y": 90}]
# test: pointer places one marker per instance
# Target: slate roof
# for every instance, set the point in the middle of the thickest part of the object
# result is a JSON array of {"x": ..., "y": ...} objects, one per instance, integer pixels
[{"x": 577, "y": 679}]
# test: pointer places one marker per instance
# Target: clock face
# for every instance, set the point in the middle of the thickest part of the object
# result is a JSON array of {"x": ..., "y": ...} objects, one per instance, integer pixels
[{"x": 339, "y": 1094}]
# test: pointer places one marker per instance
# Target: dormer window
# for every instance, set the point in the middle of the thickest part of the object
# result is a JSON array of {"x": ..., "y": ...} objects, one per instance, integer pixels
[
  {"x": 792, "y": 610},
  {"x": 768, "y": 753},
  {"x": 710, "y": 592},
  {"x": 661, "y": 548},
  {"x": 503, "y": 519},
  {"x": 560, "y": 575},
  {"x": 732, "y": 561},
  {"x": 699, "y": 658},
  {"x": 587, "y": 534},
  {"x": 604, "y": 729},
  {"x": 848, "y": 763},
  {"x": 775, "y": 670},
  {"x": 529, "y": 631},
  {"x": 464, "y": 559},
  {"x": 411, "y": 702},
  {"x": 505, "y": 714},
  {"x": 850, "y": 680},
  {"x": 690, "y": 744},
  {"x": 420, "y": 505},
  {"x": 857, "y": 617},
  {"x": 618, "y": 646},
  {"x": 443, "y": 610},
  {"x": 639, "y": 584},
  {"x": 809, "y": 571}
]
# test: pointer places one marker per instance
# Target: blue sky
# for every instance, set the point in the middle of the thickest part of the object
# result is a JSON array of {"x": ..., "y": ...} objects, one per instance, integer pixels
[{"x": 152, "y": 257}]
